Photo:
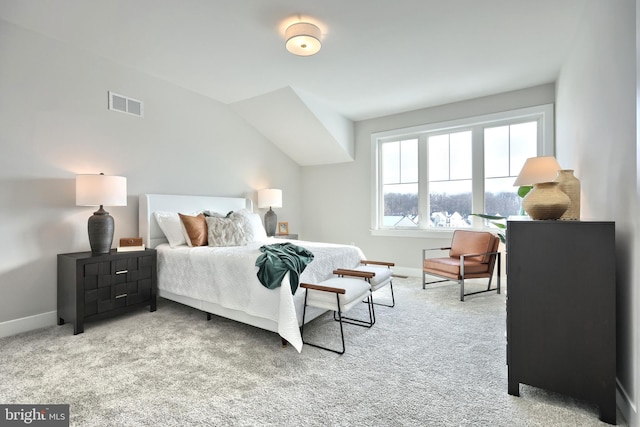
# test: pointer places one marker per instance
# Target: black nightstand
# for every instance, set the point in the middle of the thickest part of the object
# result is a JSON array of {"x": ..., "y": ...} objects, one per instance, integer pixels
[{"x": 94, "y": 287}]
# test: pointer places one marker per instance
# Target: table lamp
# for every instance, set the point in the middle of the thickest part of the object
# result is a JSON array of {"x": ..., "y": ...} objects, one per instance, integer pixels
[
  {"x": 270, "y": 198},
  {"x": 545, "y": 200},
  {"x": 101, "y": 190}
]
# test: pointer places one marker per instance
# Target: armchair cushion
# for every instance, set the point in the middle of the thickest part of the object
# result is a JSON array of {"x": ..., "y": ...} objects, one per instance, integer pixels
[
  {"x": 451, "y": 267},
  {"x": 473, "y": 242}
]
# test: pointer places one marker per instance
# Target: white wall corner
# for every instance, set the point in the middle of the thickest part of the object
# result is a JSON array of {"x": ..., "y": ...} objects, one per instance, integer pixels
[
  {"x": 340, "y": 127},
  {"x": 307, "y": 131},
  {"x": 626, "y": 405}
]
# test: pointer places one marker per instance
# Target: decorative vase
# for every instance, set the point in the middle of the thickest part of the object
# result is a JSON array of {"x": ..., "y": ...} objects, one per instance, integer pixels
[
  {"x": 570, "y": 185},
  {"x": 546, "y": 201}
]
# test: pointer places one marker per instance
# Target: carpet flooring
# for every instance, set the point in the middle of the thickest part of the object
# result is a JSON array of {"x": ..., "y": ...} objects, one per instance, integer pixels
[{"x": 430, "y": 361}]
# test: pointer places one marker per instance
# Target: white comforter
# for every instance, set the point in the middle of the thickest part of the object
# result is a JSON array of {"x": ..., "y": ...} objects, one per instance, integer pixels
[{"x": 227, "y": 276}]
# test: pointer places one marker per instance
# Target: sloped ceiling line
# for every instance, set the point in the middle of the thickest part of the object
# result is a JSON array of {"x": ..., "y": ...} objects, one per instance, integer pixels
[{"x": 302, "y": 127}]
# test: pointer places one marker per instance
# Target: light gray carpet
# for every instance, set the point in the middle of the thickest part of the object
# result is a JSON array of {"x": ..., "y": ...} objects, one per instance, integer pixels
[{"x": 431, "y": 361}]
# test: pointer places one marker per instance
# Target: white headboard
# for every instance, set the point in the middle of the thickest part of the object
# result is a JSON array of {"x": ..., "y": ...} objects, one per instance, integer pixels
[{"x": 150, "y": 231}]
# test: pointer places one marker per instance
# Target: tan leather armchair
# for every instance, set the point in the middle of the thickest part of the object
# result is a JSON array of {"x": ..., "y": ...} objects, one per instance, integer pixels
[{"x": 472, "y": 255}]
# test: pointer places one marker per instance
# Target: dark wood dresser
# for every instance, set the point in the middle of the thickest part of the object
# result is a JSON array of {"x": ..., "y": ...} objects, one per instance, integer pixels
[
  {"x": 561, "y": 310},
  {"x": 99, "y": 286}
]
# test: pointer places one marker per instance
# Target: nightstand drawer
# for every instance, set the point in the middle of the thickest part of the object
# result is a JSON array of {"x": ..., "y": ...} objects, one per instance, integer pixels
[
  {"x": 109, "y": 273},
  {"x": 105, "y": 299}
]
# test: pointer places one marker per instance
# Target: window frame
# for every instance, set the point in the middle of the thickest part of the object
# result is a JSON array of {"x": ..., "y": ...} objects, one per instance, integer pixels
[{"x": 543, "y": 114}]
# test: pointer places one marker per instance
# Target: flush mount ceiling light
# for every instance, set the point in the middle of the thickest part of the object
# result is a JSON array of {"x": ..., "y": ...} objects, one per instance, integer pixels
[{"x": 303, "y": 39}]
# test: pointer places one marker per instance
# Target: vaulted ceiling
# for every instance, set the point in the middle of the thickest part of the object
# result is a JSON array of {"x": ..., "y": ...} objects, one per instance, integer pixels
[{"x": 378, "y": 57}]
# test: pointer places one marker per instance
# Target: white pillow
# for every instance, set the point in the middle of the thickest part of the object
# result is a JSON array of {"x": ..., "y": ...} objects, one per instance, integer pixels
[
  {"x": 208, "y": 212},
  {"x": 252, "y": 224},
  {"x": 225, "y": 231},
  {"x": 171, "y": 226}
]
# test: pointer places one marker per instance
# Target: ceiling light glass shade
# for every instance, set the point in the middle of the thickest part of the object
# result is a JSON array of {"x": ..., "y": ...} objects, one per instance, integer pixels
[
  {"x": 538, "y": 169},
  {"x": 303, "y": 39},
  {"x": 270, "y": 198}
]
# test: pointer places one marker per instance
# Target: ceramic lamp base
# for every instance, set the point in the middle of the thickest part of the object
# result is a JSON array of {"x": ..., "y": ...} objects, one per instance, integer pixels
[
  {"x": 100, "y": 227},
  {"x": 546, "y": 201},
  {"x": 270, "y": 221}
]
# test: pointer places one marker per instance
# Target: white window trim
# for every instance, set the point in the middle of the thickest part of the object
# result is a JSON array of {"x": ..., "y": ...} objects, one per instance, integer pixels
[{"x": 546, "y": 146}]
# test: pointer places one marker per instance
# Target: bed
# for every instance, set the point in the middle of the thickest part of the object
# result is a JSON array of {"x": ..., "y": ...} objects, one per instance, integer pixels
[{"x": 223, "y": 280}]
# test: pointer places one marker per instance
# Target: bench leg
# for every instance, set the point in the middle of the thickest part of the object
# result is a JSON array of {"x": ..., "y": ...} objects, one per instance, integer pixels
[
  {"x": 393, "y": 298},
  {"x": 341, "y": 328}
]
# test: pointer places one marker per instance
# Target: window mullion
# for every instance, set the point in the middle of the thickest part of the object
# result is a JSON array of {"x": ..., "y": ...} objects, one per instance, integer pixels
[
  {"x": 477, "y": 177},
  {"x": 379, "y": 196},
  {"x": 423, "y": 181}
]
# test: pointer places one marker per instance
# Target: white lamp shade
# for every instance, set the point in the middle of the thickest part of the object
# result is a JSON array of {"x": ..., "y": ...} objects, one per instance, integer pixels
[
  {"x": 97, "y": 190},
  {"x": 538, "y": 169},
  {"x": 270, "y": 198},
  {"x": 303, "y": 39}
]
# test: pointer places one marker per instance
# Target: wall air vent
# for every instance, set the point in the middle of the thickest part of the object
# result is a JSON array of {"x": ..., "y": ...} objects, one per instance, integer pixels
[{"x": 124, "y": 104}]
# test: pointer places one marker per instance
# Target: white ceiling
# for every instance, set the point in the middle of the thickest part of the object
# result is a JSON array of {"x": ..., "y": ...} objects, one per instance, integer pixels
[{"x": 378, "y": 57}]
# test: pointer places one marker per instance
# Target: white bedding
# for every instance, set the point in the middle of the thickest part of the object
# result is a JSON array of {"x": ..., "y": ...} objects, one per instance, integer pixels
[{"x": 227, "y": 276}]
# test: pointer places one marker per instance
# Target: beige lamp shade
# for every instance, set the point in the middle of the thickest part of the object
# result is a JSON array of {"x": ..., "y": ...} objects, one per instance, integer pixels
[
  {"x": 270, "y": 198},
  {"x": 538, "y": 169},
  {"x": 303, "y": 39},
  {"x": 101, "y": 190}
]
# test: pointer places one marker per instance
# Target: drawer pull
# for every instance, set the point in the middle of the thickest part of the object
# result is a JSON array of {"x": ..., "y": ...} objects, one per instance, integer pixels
[
  {"x": 122, "y": 272},
  {"x": 121, "y": 296}
]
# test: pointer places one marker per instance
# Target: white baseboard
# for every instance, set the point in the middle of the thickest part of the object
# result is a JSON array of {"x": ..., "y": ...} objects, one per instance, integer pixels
[
  {"x": 30, "y": 323},
  {"x": 626, "y": 406},
  {"x": 406, "y": 271}
]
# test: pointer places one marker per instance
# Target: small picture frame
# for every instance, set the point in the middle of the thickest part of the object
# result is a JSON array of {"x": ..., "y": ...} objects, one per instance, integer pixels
[{"x": 283, "y": 228}]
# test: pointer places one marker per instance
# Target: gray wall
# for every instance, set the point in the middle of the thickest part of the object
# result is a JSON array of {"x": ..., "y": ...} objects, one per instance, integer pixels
[
  {"x": 596, "y": 136},
  {"x": 54, "y": 124}
]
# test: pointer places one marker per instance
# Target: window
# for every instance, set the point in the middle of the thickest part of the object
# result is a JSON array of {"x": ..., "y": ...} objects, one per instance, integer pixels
[
  {"x": 450, "y": 178},
  {"x": 400, "y": 182},
  {"x": 505, "y": 150},
  {"x": 435, "y": 176}
]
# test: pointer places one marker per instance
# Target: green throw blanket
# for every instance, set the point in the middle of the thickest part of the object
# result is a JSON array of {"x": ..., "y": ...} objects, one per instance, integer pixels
[{"x": 278, "y": 259}]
